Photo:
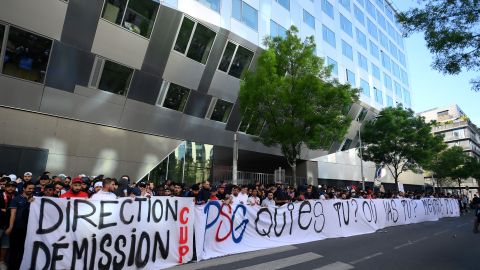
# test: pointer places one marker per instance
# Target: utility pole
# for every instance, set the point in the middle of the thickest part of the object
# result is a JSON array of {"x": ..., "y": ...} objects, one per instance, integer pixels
[
  {"x": 235, "y": 159},
  {"x": 361, "y": 160}
]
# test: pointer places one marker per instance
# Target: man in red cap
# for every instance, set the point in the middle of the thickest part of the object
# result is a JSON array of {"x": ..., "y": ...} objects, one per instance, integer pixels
[{"x": 75, "y": 190}]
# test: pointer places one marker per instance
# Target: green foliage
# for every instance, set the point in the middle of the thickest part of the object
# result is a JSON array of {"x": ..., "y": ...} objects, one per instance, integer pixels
[
  {"x": 450, "y": 165},
  {"x": 292, "y": 95},
  {"x": 400, "y": 140},
  {"x": 452, "y": 33}
]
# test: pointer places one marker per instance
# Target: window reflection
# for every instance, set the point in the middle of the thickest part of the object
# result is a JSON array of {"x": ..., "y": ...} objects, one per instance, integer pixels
[
  {"x": 26, "y": 55},
  {"x": 176, "y": 97}
]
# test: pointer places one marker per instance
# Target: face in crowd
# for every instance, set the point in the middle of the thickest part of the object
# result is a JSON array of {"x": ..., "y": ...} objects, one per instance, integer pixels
[
  {"x": 235, "y": 191},
  {"x": 177, "y": 189},
  {"x": 28, "y": 190},
  {"x": 77, "y": 187},
  {"x": 49, "y": 192},
  {"x": 27, "y": 178},
  {"x": 270, "y": 195}
]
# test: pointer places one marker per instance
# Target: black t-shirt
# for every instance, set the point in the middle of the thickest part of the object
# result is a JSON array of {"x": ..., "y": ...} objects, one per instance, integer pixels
[
  {"x": 4, "y": 216},
  {"x": 23, "y": 210}
]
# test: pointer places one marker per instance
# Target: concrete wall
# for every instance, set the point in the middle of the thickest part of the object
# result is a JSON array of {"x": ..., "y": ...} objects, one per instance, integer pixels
[{"x": 78, "y": 147}]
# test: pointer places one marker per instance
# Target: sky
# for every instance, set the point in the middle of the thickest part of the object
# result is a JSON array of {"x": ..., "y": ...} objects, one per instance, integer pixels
[{"x": 431, "y": 88}]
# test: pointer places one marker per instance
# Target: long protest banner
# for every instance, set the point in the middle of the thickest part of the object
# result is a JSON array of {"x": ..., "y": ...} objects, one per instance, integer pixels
[
  {"x": 127, "y": 233},
  {"x": 157, "y": 232},
  {"x": 228, "y": 229}
]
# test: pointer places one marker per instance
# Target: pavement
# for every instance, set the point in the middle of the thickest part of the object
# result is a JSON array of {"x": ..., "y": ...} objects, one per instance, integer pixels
[{"x": 445, "y": 244}]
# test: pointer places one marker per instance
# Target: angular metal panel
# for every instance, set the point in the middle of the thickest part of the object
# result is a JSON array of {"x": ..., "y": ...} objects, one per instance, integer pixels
[
  {"x": 145, "y": 87},
  {"x": 68, "y": 67},
  {"x": 183, "y": 71},
  {"x": 20, "y": 93},
  {"x": 197, "y": 104},
  {"x": 81, "y": 23},
  {"x": 213, "y": 60},
  {"x": 235, "y": 118},
  {"x": 161, "y": 40}
]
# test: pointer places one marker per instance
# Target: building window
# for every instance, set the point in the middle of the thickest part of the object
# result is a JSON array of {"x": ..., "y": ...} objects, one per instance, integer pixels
[
  {"x": 276, "y": 30},
  {"x": 351, "y": 77},
  {"x": 378, "y": 96},
  {"x": 245, "y": 13},
  {"x": 370, "y": 8},
  {"x": 365, "y": 87},
  {"x": 345, "y": 4},
  {"x": 386, "y": 63},
  {"x": 361, "y": 2},
  {"x": 346, "y": 144},
  {"x": 284, "y": 3},
  {"x": 389, "y": 101},
  {"x": 308, "y": 19},
  {"x": 391, "y": 31},
  {"x": 380, "y": 4},
  {"x": 387, "y": 81},
  {"x": 362, "y": 114},
  {"x": 327, "y": 8},
  {"x": 221, "y": 110},
  {"x": 347, "y": 50},
  {"x": 383, "y": 39},
  {"x": 137, "y": 16},
  {"x": 194, "y": 40},
  {"x": 406, "y": 98},
  {"x": 328, "y": 36},
  {"x": 212, "y": 4},
  {"x": 393, "y": 49},
  {"x": 372, "y": 29},
  {"x": 111, "y": 77},
  {"x": 375, "y": 71},
  {"x": 2, "y": 33},
  {"x": 176, "y": 97},
  {"x": 346, "y": 25},
  {"x": 381, "y": 21},
  {"x": 374, "y": 50},
  {"x": 401, "y": 58},
  {"x": 398, "y": 90},
  {"x": 241, "y": 60},
  {"x": 26, "y": 54},
  {"x": 362, "y": 61},
  {"x": 404, "y": 77},
  {"x": 359, "y": 14},
  {"x": 334, "y": 65},
  {"x": 389, "y": 13},
  {"x": 396, "y": 70},
  {"x": 361, "y": 38}
]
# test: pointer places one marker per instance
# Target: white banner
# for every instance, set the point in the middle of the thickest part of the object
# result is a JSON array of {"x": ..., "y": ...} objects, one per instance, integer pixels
[
  {"x": 228, "y": 229},
  {"x": 127, "y": 233}
]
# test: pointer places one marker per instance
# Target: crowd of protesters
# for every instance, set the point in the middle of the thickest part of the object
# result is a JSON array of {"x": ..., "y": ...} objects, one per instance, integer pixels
[{"x": 19, "y": 192}]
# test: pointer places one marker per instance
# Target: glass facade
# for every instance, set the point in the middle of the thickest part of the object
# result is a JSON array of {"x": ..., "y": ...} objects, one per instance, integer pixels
[
  {"x": 327, "y": 8},
  {"x": 235, "y": 60},
  {"x": 137, "y": 16},
  {"x": 334, "y": 65},
  {"x": 221, "y": 111},
  {"x": 115, "y": 78},
  {"x": 365, "y": 87},
  {"x": 176, "y": 97},
  {"x": 189, "y": 163},
  {"x": 212, "y": 4},
  {"x": 347, "y": 50},
  {"x": 195, "y": 40},
  {"x": 26, "y": 55},
  {"x": 328, "y": 36},
  {"x": 245, "y": 13},
  {"x": 308, "y": 19},
  {"x": 277, "y": 30}
]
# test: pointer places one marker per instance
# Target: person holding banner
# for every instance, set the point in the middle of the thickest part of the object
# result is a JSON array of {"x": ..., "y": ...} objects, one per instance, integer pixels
[
  {"x": 106, "y": 193},
  {"x": 17, "y": 229},
  {"x": 75, "y": 190}
]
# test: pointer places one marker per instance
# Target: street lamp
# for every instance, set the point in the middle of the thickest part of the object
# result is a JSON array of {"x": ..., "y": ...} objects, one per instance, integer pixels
[{"x": 361, "y": 159}]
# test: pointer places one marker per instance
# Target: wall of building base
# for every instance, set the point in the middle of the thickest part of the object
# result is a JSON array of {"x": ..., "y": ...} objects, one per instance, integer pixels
[
  {"x": 346, "y": 166},
  {"x": 77, "y": 147}
]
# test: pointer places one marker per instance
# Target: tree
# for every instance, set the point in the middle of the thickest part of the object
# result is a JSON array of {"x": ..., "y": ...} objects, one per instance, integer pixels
[
  {"x": 473, "y": 168},
  {"x": 400, "y": 141},
  {"x": 450, "y": 165},
  {"x": 291, "y": 95},
  {"x": 452, "y": 33}
]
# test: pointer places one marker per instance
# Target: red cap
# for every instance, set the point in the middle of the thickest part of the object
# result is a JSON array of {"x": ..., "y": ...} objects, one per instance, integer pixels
[{"x": 77, "y": 180}]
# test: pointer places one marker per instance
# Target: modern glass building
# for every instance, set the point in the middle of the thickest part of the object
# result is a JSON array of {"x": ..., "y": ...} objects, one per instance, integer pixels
[{"x": 117, "y": 86}]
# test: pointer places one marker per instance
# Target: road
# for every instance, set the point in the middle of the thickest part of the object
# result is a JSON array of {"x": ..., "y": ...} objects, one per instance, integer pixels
[{"x": 445, "y": 244}]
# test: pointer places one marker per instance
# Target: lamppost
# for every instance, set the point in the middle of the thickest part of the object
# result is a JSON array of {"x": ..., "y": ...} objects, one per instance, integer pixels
[
  {"x": 235, "y": 159},
  {"x": 361, "y": 159}
]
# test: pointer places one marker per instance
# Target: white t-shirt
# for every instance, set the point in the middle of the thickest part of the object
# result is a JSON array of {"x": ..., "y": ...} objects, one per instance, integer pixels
[
  {"x": 267, "y": 202},
  {"x": 103, "y": 195},
  {"x": 240, "y": 199},
  {"x": 253, "y": 200}
]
